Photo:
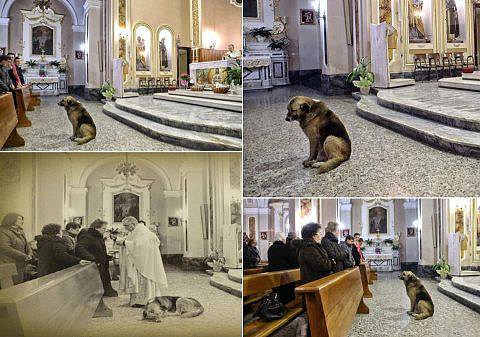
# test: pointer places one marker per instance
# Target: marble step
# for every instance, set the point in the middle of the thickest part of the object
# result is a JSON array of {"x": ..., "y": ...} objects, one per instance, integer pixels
[
  {"x": 206, "y": 102},
  {"x": 463, "y": 283},
  {"x": 186, "y": 138},
  {"x": 221, "y": 281},
  {"x": 469, "y": 300},
  {"x": 463, "y": 115},
  {"x": 459, "y": 83},
  {"x": 458, "y": 141},
  {"x": 207, "y": 120},
  {"x": 236, "y": 275},
  {"x": 206, "y": 94}
]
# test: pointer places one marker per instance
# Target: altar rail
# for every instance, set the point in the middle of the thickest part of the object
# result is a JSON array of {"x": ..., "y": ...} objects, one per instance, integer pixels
[
  {"x": 8, "y": 123},
  {"x": 56, "y": 305}
]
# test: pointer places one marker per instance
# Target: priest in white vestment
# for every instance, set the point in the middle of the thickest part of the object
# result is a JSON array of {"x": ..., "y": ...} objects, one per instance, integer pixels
[{"x": 141, "y": 268}]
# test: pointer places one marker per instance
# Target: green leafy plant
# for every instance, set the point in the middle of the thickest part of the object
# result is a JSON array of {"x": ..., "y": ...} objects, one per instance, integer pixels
[
  {"x": 278, "y": 44},
  {"x": 55, "y": 63},
  {"x": 31, "y": 63},
  {"x": 107, "y": 90},
  {"x": 215, "y": 261},
  {"x": 234, "y": 74},
  {"x": 442, "y": 268},
  {"x": 361, "y": 71},
  {"x": 395, "y": 247},
  {"x": 388, "y": 241},
  {"x": 262, "y": 31},
  {"x": 369, "y": 242},
  {"x": 62, "y": 70},
  {"x": 364, "y": 82}
]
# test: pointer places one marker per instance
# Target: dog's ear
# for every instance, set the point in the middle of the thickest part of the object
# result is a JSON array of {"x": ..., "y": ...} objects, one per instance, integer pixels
[{"x": 305, "y": 107}]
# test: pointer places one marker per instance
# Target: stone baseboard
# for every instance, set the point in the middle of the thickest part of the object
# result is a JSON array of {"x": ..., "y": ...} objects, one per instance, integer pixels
[
  {"x": 77, "y": 90},
  {"x": 92, "y": 94},
  {"x": 308, "y": 78},
  {"x": 336, "y": 85},
  {"x": 193, "y": 263}
]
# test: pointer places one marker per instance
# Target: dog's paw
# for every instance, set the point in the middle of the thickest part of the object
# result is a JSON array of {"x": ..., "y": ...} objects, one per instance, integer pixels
[
  {"x": 72, "y": 138},
  {"x": 308, "y": 163},
  {"x": 410, "y": 313}
]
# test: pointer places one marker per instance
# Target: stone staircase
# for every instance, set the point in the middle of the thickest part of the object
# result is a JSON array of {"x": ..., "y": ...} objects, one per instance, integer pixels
[
  {"x": 465, "y": 290},
  {"x": 181, "y": 122},
  {"x": 230, "y": 282},
  {"x": 447, "y": 119}
]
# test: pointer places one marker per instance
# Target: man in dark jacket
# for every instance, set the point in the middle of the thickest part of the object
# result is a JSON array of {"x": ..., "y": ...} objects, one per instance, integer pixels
[
  {"x": 280, "y": 255},
  {"x": 52, "y": 252},
  {"x": 70, "y": 236},
  {"x": 91, "y": 246},
  {"x": 16, "y": 73},
  {"x": 312, "y": 257},
  {"x": 330, "y": 243},
  {"x": 251, "y": 255},
  {"x": 346, "y": 246}
]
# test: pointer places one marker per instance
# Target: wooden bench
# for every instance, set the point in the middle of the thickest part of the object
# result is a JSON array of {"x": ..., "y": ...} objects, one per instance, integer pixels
[
  {"x": 251, "y": 271},
  {"x": 23, "y": 100},
  {"x": 9, "y": 136},
  {"x": 365, "y": 273},
  {"x": 256, "y": 286},
  {"x": 7, "y": 271},
  {"x": 332, "y": 303},
  {"x": 59, "y": 304}
]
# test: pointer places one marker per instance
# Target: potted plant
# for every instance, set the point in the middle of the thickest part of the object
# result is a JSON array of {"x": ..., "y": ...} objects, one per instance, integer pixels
[
  {"x": 361, "y": 77},
  {"x": 369, "y": 242},
  {"x": 278, "y": 44},
  {"x": 442, "y": 268},
  {"x": 395, "y": 247},
  {"x": 107, "y": 90},
  {"x": 261, "y": 34},
  {"x": 31, "y": 63},
  {"x": 388, "y": 242},
  {"x": 215, "y": 261},
  {"x": 184, "y": 78},
  {"x": 55, "y": 63}
]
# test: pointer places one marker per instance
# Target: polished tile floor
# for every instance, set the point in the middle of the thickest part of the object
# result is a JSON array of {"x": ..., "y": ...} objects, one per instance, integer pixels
[{"x": 383, "y": 162}]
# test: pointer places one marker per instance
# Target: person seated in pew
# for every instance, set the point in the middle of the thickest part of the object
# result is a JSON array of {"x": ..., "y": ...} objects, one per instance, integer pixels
[
  {"x": 347, "y": 246},
  {"x": 69, "y": 236},
  {"x": 251, "y": 255},
  {"x": 16, "y": 73},
  {"x": 91, "y": 246},
  {"x": 52, "y": 251},
  {"x": 357, "y": 249},
  {"x": 5, "y": 66},
  {"x": 282, "y": 257},
  {"x": 312, "y": 257},
  {"x": 330, "y": 243}
]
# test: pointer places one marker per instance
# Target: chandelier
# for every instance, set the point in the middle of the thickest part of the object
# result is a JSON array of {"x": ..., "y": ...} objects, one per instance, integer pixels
[
  {"x": 126, "y": 168},
  {"x": 237, "y": 3},
  {"x": 42, "y": 4}
]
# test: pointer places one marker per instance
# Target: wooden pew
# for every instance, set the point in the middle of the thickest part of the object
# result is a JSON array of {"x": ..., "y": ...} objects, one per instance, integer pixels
[
  {"x": 59, "y": 304},
  {"x": 365, "y": 276},
  {"x": 251, "y": 271},
  {"x": 7, "y": 271},
  {"x": 23, "y": 99},
  {"x": 332, "y": 303},
  {"x": 9, "y": 136},
  {"x": 254, "y": 289}
]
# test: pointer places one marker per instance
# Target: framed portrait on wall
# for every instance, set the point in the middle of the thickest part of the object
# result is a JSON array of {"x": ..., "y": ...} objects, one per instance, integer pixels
[
  {"x": 345, "y": 232},
  {"x": 3, "y": 50},
  {"x": 142, "y": 43},
  {"x": 377, "y": 220},
  {"x": 126, "y": 204},
  {"x": 42, "y": 40},
  {"x": 78, "y": 55},
  {"x": 173, "y": 221},
  {"x": 307, "y": 17},
  {"x": 410, "y": 232},
  {"x": 252, "y": 9},
  {"x": 305, "y": 207},
  {"x": 78, "y": 220},
  {"x": 263, "y": 235}
]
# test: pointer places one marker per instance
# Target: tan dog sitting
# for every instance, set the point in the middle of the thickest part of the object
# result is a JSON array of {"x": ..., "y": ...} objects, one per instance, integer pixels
[
  {"x": 330, "y": 145},
  {"x": 84, "y": 129},
  {"x": 421, "y": 304},
  {"x": 164, "y": 306}
]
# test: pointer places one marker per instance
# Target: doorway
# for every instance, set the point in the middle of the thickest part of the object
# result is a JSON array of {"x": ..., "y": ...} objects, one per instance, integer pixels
[{"x": 183, "y": 60}]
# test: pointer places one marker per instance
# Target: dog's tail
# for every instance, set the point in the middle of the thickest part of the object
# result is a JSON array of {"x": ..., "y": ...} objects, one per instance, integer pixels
[
  {"x": 329, "y": 164},
  {"x": 422, "y": 315},
  {"x": 84, "y": 140},
  {"x": 194, "y": 313}
]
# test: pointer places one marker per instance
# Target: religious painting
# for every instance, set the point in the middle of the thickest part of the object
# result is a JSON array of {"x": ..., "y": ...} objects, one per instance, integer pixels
[
  {"x": 173, "y": 221},
  {"x": 143, "y": 39},
  {"x": 478, "y": 223},
  {"x": 307, "y": 17},
  {"x": 252, "y": 9},
  {"x": 385, "y": 11},
  {"x": 3, "y": 50},
  {"x": 263, "y": 235},
  {"x": 455, "y": 21},
  {"x": 420, "y": 21},
  {"x": 252, "y": 229},
  {"x": 78, "y": 220},
  {"x": 305, "y": 207},
  {"x": 410, "y": 232},
  {"x": 42, "y": 40},
  {"x": 345, "y": 232},
  {"x": 165, "y": 49},
  {"x": 78, "y": 55},
  {"x": 126, "y": 204},
  {"x": 377, "y": 220},
  {"x": 211, "y": 75}
]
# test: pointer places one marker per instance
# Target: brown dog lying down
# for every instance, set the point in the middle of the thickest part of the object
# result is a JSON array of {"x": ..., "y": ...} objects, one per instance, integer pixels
[
  {"x": 421, "y": 304},
  {"x": 84, "y": 129},
  {"x": 330, "y": 145},
  {"x": 164, "y": 306}
]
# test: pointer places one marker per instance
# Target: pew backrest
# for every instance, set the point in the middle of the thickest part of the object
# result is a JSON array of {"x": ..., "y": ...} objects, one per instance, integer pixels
[
  {"x": 332, "y": 303},
  {"x": 8, "y": 117},
  {"x": 7, "y": 271},
  {"x": 259, "y": 283}
]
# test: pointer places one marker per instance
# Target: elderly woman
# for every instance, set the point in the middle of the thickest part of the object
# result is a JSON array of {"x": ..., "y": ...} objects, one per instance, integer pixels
[
  {"x": 14, "y": 246},
  {"x": 312, "y": 257},
  {"x": 141, "y": 268}
]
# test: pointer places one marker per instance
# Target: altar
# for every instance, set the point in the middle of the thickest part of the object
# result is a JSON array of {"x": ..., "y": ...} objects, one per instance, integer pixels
[
  {"x": 46, "y": 80},
  {"x": 383, "y": 261},
  {"x": 209, "y": 72}
]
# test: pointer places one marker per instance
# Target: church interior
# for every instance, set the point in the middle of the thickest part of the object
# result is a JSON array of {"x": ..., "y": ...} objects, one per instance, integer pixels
[
  {"x": 436, "y": 239},
  {"x": 399, "y": 74},
  {"x": 191, "y": 202},
  {"x": 158, "y": 76}
]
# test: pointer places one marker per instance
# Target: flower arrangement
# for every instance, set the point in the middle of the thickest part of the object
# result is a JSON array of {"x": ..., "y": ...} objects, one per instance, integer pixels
[
  {"x": 31, "y": 63},
  {"x": 215, "y": 261},
  {"x": 107, "y": 90},
  {"x": 388, "y": 241},
  {"x": 361, "y": 77},
  {"x": 184, "y": 78},
  {"x": 262, "y": 32},
  {"x": 369, "y": 242},
  {"x": 55, "y": 63},
  {"x": 442, "y": 268},
  {"x": 234, "y": 75},
  {"x": 278, "y": 44}
]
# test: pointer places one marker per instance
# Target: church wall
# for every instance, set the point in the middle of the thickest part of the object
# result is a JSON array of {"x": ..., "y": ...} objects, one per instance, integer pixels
[
  {"x": 223, "y": 20},
  {"x": 427, "y": 247}
]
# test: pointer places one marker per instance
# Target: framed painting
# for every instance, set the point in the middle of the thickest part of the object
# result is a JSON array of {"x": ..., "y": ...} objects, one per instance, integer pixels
[
  {"x": 307, "y": 17},
  {"x": 125, "y": 204},
  {"x": 377, "y": 220},
  {"x": 410, "y": 232},
  {"x": 78, "y": 220},
  {"x": 42, "y": 40},
  {"x": 252, "y": 9},
  {"x": 173, "y": 221}
]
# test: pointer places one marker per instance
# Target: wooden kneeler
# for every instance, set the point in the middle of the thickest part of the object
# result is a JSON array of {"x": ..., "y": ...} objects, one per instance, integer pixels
[{"x": 9, "y": 136}]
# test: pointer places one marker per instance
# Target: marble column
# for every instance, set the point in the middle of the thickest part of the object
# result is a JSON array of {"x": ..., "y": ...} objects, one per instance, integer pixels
[
  {"x": 411, "y": 243},
  {"x": 77, "y": 76},
  {"x": 173, "y": 239},
  {"x": 77, "y": 205},
  {"x": 93, "y": 46},
  {"x": 4, "y": 32}
]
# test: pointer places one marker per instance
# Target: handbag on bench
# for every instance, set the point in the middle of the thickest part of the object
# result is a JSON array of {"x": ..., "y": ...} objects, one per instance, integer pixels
[{"x": 271, "y": 308}]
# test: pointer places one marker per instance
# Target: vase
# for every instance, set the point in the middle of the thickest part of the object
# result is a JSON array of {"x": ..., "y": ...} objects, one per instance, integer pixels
[
  {"x": 365, "y": 90},
  {"x": 260, "y": 39}
]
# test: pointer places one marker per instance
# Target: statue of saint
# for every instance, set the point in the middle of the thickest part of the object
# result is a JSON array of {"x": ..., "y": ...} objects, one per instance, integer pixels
[
  {"x": 416, "y": 26},
  {"x": 141, "y": 54},
  {"x": 232, "y": 54},
  {"x": 163, "y": 55}
]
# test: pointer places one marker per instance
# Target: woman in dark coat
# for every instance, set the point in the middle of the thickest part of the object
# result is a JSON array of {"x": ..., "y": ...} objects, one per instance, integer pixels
[
  {"x": 312, "y": 257},
  {"x": 330, "y": 243},
  {"x": 251, "y": 256},
  {"x": 52, "y": 251},
  {"x": 14, "y": 247}
]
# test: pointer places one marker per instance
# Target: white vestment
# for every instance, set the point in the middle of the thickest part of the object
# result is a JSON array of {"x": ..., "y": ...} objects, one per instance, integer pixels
[{"x": 141, "y": 268}]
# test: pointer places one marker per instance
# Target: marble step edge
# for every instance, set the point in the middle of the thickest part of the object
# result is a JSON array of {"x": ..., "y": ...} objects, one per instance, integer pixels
[
  {"x": 165, "y": 118},
  {"x": 459, "y": 282},
  {"x": 391, "y": 101},
  {"x": 469, "y": 300},
  {"x": 187, "y": 138},
  {"x": 207, "y": 95},
  {"x": 225, "y": 284},
  {"x": 211, "y": 103},
  {"x": 438, "y": 138},
  {"x": 236, "y": 275}
]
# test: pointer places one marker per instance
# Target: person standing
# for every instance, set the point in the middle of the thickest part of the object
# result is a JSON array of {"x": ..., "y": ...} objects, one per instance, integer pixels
[
  {"x": 90, "y": 246},
  {"x": 14, "y": 247},
  {"x": 357, "y": 249},
  {"x": 141, "y": 267},
  {"x": 69, "y": 236},
  {"x": 330, "y": 243},
  {"x": 16, "y": 73},
  {"x": 312, "y": 257}
]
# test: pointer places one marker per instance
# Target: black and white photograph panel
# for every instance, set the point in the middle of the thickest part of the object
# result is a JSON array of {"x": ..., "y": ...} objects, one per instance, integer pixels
[
  {"x": 121, "y": 75},
  {"x": 324, "y": 272},
  {"x": 120, "y": 244},
  {"x": 361, "y": 98}
]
